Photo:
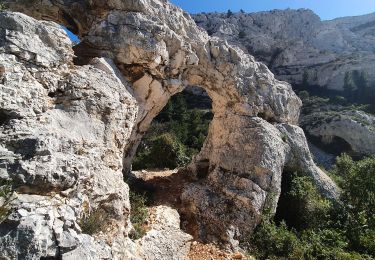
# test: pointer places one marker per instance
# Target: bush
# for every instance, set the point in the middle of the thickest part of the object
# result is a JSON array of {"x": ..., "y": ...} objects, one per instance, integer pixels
[
  {"x": 165, "y": 151},
  {"x": 229, "y": 13},
  {"x": 358, "y": 184},
  {"x": 94, "y": 222},
  {"x": 242, "y": 34},
  {"x": 275, "y": 242},
  {"x": 307, "y": 226},
  {"x": 178, "y": 133},
  {"x": 6, "y": 193},
  {"x": 304, "y": 95},
  {"x": 300, "y": 204},
  {"x": 339, "y": 100},
  {"x": 138, "y": 214}
]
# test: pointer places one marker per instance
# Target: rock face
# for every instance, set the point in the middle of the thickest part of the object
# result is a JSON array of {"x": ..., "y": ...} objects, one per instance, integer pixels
[
  {"x": 294, "y": 43},
  {"x": 63, "y": 131},
  {"x": 356, "y": 128},
  {"x": 68, "y": 131}
]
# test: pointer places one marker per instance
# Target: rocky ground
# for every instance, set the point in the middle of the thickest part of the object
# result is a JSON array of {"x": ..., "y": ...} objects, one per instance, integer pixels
[{"x": 167, "y": 187}]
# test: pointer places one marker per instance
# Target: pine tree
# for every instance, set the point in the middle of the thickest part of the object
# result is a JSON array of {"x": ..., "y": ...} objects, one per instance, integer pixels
[
  {"x": 229, "y": 13},
  {"x": 305, "y": 80},
  {"x": 349, "y": 86}
]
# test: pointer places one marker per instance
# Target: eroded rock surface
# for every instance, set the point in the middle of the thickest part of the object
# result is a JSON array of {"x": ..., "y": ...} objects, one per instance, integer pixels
[
  {"x": 81, "y": 125},
  {"x": 294, "y": 43},
  {"x": 355, "y": 128},
  {"x": 63, "y": 132}
]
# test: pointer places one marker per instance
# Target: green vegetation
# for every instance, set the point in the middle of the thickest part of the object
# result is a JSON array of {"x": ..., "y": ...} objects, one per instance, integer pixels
[
  {"x": 2, "y": 6},
  {"x": 241, "y": 34},
  {"x": 6, "y": 193},
  {"x": 308, "y": 226},
  {"x": 94, "y": 222},
  {"x": 138, "y": 214},
  {"x": 175, "y": 136},
  {"x": 166, "y": 151},
  {"x": 229, "y": 13},
  {"x": 305, "y": 79},
  {"x": 358, "y": 90},
  {"x": 336, "y": 104}
]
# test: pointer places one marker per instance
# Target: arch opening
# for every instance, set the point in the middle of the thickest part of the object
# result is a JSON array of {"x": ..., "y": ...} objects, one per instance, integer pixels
[
  {"x": 334, "y": 144},
  {"x": 174, "y": 137},
  {"x": 72, "y": 36},
  {"x": 177, "y": 133}
]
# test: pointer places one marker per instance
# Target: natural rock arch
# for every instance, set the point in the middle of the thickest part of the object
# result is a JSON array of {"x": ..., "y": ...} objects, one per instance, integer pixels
[{"x": 159, "y": 50}]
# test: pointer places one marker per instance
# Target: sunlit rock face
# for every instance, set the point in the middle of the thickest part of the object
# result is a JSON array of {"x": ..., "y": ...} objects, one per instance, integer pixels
[
  {"x": 296, "y": 43},
  {"x": 79, "y": 127},
  {"x": 355, "y": 128}
]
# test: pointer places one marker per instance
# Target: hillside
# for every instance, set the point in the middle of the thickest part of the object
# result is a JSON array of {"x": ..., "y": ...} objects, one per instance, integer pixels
[{"x": 296, "y": 43}]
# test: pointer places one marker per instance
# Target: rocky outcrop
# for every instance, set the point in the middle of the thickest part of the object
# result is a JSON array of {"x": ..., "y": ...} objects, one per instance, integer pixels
[
  {"x": 68, "y": 130},
  {"x": 297, "y": 46},
  {"x": 355, "y": 128},
  {"x": 63, "y": 131}
]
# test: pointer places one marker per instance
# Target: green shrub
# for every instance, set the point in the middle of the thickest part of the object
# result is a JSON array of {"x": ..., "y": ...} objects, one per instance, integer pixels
[
  {"x": 138, "y": 214},
  {"x": 94, "y": 222},
  {"x": 340, "y": 100},
  {"x": 304, "y": 95},
  {"x": 6, "y": 193},
  {"x": 316, "y": 229},
  {"x": 176, "y": 135},
  {"x": 165, "y": 151},
  {"x": 357, "y": 179},
  {"x": 275, "y": 242},
  {"x": 229, "y": 13},
  {"x": 300, "y": 204},
  {"x": 241, "y": 34}
]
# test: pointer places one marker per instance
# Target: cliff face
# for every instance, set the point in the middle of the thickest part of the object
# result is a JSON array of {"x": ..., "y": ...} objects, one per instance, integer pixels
[
  {"x": 68, "y": 131},
  {"x": 296, "y": 42},
  {"x": 356, "y": 128}
]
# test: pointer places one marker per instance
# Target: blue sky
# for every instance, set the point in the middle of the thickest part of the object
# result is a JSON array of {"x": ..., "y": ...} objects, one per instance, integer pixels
[{"x": 326, "y": 9}]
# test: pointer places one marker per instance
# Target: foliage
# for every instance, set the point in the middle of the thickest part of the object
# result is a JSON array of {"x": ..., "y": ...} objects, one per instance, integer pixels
[
  {"x": 229, "y": 13},
  {"x": 273, "y": 242},
  {"x": 138, "y": 214},
  {"x": 6, "y": 193},
  {"x": 94, "y": 222},
  {"x": 241, "y": 34},
  {"x": 166, "y": 151},
  {"x": 302, "y": 207},
  {"x": 349, "y": 86},
  {"x": 2, "y": 6},
  {"x": 330, "y": 107},
  {"x": 307, "y": 226},
  {"x": 357, "y": 89},
  {"x": 304, "y": 95},
  {"x": 358, "y": 184},
  {"x": 176, "y": 134},
  {"x": 305, "y": 79}
]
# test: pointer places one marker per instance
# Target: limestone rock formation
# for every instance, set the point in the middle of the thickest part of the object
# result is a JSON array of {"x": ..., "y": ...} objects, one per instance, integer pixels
[
  {"x": 356, "y": 128},
  {"x": 165, "y": 240},
  {"x": 68, "y": 130},
  {"x": 296, "y": 43},
  {"x": 63, "y": 131}
]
